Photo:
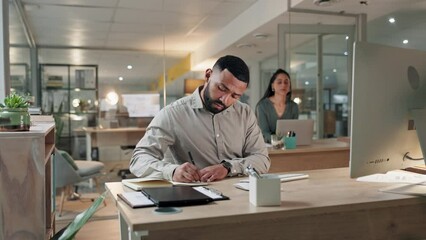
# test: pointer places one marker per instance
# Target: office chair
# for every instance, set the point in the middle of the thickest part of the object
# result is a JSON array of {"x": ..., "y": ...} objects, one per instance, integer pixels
[
  {"x": 72, "y": 228},
  {"x": 69, "y": 172}
]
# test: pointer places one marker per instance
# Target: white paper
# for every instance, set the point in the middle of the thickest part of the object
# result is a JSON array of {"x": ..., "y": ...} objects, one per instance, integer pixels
[
  {"x": 396, "y": 176},
  {"x": 137, "y": 199},
  {"x": 208, "y": 192}
]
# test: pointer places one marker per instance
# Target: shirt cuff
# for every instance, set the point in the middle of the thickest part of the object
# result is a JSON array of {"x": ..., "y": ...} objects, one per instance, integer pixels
[{"x": 168, "y": 171}]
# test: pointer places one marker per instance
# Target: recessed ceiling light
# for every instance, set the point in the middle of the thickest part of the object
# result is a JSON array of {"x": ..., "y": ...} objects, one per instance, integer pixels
[
  {"x": 345, "y": 53},
  {"x": 392, "y": 20},
  {"x": 405, "y": 41},
  {"x": 347, "y": 37},
  {"x": 120, "y": 78},
  {"x": 245, "y": 45},
  {"x": 325, "y": 3},
  {"x": 129, "y": 67},
  {"x": 260, "y": 35}
]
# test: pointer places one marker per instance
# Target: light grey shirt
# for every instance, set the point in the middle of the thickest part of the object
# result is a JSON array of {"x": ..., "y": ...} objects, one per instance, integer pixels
[
  {"x": 186, "y": 126},
  {"x": 267, "y": 116}
]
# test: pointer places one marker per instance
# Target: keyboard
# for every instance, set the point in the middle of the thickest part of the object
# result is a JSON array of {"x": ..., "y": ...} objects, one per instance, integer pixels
[{"x": 285, "y": 177}]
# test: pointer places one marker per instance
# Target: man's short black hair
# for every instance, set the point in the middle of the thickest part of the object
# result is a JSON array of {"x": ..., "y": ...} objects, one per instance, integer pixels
[{"x": 235, "y": 65}]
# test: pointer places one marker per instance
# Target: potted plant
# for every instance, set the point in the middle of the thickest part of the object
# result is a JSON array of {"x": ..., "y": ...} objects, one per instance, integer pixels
[{"x": 14, "y": 115}]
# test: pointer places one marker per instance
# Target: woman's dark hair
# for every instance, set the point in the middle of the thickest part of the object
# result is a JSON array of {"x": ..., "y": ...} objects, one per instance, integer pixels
[{"x": 269, "y": 91}]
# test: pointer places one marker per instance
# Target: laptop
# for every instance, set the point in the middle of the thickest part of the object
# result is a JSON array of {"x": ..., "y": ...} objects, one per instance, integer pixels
[
  {"x": 176, "y": 196},
  {"x": 304, "y": 129}
]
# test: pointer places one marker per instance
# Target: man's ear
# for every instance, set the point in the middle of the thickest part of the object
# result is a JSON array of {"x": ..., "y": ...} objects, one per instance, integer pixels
[{"x": 208, "y": 74}]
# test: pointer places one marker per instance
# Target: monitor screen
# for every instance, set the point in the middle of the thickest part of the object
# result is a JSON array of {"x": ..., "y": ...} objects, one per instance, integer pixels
[
  {"x": 388, "y": 84},
  {"x": 142, "y": 104}
]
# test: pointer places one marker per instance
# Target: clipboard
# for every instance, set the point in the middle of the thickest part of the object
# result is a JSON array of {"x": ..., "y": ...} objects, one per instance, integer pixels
[
  {"x": 181, "y": 196},
  {"x": 135, "y": 199}
]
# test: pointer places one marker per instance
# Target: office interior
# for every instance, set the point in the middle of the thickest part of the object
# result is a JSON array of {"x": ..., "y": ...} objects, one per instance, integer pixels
[
  {"x": 91, "y": 63},
  {"x": 311, "y": 39}
]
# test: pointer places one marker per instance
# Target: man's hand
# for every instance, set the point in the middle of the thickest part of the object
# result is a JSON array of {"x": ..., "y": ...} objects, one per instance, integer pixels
[
  {"x": 213, "y": 173},
  {"x": 186, "y": 173}
]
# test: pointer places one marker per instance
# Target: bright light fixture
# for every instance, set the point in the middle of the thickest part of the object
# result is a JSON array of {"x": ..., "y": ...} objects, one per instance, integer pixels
[
  {"x": 76, "y": 102},
  {"x": 129, "y": 67},
  {"x": 405, "y": 41},
  {"x": 392, "y": 20},
  {"x": 112, "y": 98},
  {"x": 297, "y": 100},
  {"x": 120, "y": 78}
]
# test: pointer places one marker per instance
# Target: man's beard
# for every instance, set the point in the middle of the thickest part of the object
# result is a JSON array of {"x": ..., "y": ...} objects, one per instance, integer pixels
[{"x": 209, "y": 103}]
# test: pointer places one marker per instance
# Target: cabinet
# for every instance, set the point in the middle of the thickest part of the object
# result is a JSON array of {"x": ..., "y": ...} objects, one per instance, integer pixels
[
  {"x": 27, "y": 196},
  {"x": 70, "y": 93},
  {"x": 19, "y": 78}
]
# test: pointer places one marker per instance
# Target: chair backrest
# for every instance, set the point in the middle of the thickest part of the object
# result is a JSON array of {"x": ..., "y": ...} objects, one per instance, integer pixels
[
  {"x": 65, "y": 170},
  {"x": 72, "y": 229}
]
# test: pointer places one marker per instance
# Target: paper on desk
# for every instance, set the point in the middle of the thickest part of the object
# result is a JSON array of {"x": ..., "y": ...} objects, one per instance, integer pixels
[
  {"x": 406, "y": 189},
  {"x": 396, "y": 176},
  {"x": 138, "y": 183}
]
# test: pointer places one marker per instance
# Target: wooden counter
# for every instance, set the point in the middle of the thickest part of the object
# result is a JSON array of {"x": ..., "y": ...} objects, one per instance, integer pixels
[{"x": 322, "y": 154}]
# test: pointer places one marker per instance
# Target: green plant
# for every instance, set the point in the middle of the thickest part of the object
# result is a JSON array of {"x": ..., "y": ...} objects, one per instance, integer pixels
[{"x": 15, "y": 101}]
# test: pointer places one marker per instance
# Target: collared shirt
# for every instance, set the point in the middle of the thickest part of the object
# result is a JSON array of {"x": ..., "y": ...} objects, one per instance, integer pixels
[
  {"x": 185, "y": 127},
  {"x": 267, "y": 116}
]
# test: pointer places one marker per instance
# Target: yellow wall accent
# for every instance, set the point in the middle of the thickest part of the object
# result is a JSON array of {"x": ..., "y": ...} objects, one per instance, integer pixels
[{"x": 174, "y": 72}]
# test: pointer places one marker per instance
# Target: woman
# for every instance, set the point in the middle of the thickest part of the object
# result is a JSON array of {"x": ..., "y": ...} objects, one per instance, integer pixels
[{"x": 276, "y": 104}]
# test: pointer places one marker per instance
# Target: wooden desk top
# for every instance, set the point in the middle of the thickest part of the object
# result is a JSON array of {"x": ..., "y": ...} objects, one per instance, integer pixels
[
  {"x": 326, "y": 191},
  {"x": 319, "y": 145}
]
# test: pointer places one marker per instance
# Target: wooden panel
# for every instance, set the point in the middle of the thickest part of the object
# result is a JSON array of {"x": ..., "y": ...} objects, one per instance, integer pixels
[
  {"x": 22, "y": 187},
  {"x": 322, "y": 154},
  {"x": 25, "y": 183}
]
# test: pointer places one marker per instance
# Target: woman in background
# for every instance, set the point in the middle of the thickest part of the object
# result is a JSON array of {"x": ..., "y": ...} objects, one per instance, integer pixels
[{"x": 276, "y": 104}]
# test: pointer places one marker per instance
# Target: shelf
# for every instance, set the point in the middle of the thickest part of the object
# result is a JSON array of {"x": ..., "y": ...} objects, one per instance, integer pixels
[{"x": 69, "y": 91}]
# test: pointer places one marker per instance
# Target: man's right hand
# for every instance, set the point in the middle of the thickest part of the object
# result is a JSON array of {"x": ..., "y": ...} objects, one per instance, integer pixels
[{"x": 186, "y": 173}]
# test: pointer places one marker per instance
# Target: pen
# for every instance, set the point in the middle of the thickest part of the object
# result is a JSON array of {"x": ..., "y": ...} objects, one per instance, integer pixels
[
  {"x": 253, "y": 172},
  {"x": 190, "y": 158}
]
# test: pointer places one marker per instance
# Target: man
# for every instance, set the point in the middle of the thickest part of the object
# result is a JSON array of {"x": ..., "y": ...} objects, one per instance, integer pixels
[{"x": 210, "y": 134}]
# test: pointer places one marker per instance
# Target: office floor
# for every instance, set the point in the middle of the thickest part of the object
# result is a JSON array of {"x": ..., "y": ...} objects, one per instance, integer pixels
[{"x": 104, "y": 223}]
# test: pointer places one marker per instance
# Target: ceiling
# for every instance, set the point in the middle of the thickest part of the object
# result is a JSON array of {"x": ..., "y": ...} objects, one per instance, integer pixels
[{"x": 153, "y": 35}]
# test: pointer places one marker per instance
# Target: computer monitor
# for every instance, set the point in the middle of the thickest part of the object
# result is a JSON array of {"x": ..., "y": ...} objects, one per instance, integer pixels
[{"x": 389, "y": 89}]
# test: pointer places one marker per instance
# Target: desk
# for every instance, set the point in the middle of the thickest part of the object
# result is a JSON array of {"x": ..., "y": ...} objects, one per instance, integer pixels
[
  {"x": 321, "y": 154},
  {"x": 96, "y": 137},
  {"x": 328, "y": 205}
]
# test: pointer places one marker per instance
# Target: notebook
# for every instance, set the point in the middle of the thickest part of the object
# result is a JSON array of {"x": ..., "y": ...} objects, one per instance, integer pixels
[
  {"x": 176, "y": 196},
  {"x": 304, "y": 129},
  {"x": 138, "y": 183}
]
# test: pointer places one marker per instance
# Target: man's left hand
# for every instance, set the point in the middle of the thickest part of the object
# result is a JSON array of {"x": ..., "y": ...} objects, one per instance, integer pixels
[{"x": 213, "y": 173}]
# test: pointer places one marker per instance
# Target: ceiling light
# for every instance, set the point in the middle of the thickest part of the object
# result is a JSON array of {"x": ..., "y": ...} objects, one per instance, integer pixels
[
  {"x": 120, "y": 78},
  {"x": 129, "y": 67},
  {"x": 405, "y": 41},
  {"x": 347, "y": 37},
  {"x": 325, "y": 3},
  {"x": 391, "y": 20},
  {"x": 260, "y": 35},
  {"x": 112, "y": 98},
  {"x": 245, "y": 45}
]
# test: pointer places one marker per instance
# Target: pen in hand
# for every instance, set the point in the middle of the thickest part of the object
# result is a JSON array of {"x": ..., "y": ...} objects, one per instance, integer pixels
[
  {"x": 193, "y": 163},
  {"x": 190, "y": 158}
]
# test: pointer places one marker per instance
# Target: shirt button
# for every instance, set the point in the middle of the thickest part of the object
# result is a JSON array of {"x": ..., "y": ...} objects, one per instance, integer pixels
[{"x": 217, "y": 135}]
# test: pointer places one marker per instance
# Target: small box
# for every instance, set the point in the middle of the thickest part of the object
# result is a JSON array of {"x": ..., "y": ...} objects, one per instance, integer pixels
[
  {"x": 265, "y": 191},
  {"x": 290, "y": 142}
]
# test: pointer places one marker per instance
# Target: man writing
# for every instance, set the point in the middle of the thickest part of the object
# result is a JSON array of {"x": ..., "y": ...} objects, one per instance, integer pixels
[{"x": 210, "y": 134}]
